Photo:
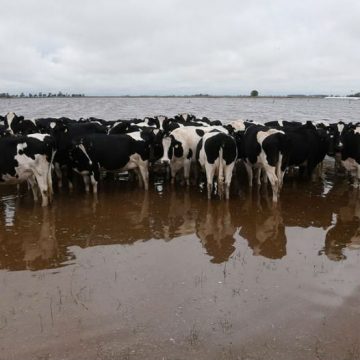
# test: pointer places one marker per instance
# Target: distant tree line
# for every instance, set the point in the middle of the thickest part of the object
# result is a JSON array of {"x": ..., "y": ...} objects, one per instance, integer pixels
[
  {"x": 355, "y": 95},
  {"x": 40, "y": 95}
]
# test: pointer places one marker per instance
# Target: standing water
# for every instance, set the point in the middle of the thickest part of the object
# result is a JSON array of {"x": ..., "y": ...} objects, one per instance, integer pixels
[{"x": 167, "y": 274}]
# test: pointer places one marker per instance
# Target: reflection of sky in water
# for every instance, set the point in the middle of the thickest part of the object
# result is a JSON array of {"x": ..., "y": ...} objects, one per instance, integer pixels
[{"x": 9, "y": 210}]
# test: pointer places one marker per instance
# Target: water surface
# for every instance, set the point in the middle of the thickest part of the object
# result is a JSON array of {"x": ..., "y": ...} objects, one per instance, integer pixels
[{"x": 167, "y": 274}]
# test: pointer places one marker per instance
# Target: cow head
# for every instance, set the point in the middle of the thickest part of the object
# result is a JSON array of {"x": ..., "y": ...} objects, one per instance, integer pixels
[{"x": 171, "y": 148}]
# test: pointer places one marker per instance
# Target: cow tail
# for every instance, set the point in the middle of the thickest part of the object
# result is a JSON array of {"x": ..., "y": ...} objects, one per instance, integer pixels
[
  {"x": 221, "y": 166},
  {"x": 49, "y": 175}
]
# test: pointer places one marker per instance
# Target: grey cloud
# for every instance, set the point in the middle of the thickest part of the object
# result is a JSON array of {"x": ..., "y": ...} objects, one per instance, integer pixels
[{"x": 178, "y": 47}]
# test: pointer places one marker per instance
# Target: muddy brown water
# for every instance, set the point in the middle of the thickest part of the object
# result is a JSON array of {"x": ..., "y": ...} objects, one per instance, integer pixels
[{"x": 168, "y": 275}]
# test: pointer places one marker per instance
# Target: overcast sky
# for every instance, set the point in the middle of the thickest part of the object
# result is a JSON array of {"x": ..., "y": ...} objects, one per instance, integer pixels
[{"x": 119, "y": 47}]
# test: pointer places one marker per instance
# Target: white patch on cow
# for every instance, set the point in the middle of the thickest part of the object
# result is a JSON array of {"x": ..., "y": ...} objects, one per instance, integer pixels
[
  {"x": 40, "y": 137},
  {"x": 340, "y": 128},
  {"x": 357, "y": 130},
  {"x": 82, "y": 148},
  {"x": 238, "y": 125},
  {"x": 10, "y": 117},
  {"x": 262, "y": 135},
  {"x": 52, "y": 124},
  {"x": 185, "y": 116},
  {"x": 166, "y": 143},
  {"x": 33, "y": 121},
  {"x": 136, "y": 136}
]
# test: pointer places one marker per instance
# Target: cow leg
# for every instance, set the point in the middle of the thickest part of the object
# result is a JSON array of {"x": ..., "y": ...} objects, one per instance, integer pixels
[
  {"x": 33, "y": 185},
  {"x": 43, "y": 186},
  {"x": 249, "y": 171},
  {"x": 357, "y": 175},
  {"x": 93, "y": 183},
  {"x": 174, "y": 167},
  {"x": 187, "y": 166},
  {"x": 58, "y": 174},
  {"x": 144, "y": 171},
  {"x": 50, "y": 184},
  {"x": 139, "y": 176},
  {"x": 86, "y": 179},
  {"x": 258, "y": 176},
  {"x": 279, "y": 172},
  {"x": 210, "y": 171},
  {"x": 228, "y": 177},
  {"x": 271, "y": 174}
]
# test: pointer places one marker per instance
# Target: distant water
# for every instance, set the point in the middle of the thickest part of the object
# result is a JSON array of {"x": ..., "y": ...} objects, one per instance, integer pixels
[{"x": 225, "y": 109}]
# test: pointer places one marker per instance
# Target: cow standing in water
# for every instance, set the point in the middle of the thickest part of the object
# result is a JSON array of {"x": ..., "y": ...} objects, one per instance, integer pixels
[
  {"x": 91, "y": 153},
  {"x": 264, "y": 149},
  {"x": 28, "y": 158},
  {"x": 217, "y": 154}
]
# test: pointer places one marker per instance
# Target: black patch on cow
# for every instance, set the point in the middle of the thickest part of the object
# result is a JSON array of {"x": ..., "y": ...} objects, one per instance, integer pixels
[
  {"x": 190, "y": 154},
  {"x": 220, "y": 141},
  {"x": 177, "y": 147},
  {"x": 200, "y": 132}
]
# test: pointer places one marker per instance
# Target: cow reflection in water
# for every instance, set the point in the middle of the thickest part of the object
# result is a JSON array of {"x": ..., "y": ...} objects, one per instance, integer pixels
[
  {"x": 345, "y": 234},
  {"x": 28, "y": 241},
  {"x": 215, "y": 228},
  {"x": 263, "y": 227}
]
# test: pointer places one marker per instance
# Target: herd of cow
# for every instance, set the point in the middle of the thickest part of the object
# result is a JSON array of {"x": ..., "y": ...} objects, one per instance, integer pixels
[{"x": 39, "y": 149}]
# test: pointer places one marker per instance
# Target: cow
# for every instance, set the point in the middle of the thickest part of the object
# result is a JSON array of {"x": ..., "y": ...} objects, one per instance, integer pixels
[
  {"x": 19, "y": 125},
  {"x": 263, "y": 148},
  {"x": 123, "y": 152},
  {"x": 179, "y": 148},
  {"x": 350, "y": 150},
  {"x": 217, "y": 154},
  {"x": 307, "y": 147},
  {"x": 28, "y": 158},
  {"x": 65, "y": 134}
]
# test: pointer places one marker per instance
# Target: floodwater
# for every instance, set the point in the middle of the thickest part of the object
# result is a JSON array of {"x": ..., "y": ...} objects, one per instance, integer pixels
[
  {"x": 225, "y": 109},
  {"x": 169, "y": 275}
]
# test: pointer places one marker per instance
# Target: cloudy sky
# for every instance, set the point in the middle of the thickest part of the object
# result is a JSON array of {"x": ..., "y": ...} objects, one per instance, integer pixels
[{"x": 118, "y": 47}]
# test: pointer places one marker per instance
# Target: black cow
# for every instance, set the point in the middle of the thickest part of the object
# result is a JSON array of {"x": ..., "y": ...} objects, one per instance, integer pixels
[
  {"x": 307, "y": 147},
  {"x": 112, "y": 153}
]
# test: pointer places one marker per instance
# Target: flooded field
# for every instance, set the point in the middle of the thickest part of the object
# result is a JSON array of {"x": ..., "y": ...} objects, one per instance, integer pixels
[{"x": 169, "y": 275}]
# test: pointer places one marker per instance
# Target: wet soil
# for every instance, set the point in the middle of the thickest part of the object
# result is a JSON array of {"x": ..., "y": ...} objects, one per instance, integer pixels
[{"x": 168, "y": 275}]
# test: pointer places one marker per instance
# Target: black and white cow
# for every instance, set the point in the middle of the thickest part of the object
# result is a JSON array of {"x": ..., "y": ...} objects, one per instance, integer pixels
[
  {"x": 179, "y": 148},
  {"x": 217, "y": 154},
  {"x": 65, "y": 135},
  {"x": 263, "y": 148},
  {"x": 19, "y": 125},
  {"x": 28, "y": 158},
  {"x": 123, "y": 152}
]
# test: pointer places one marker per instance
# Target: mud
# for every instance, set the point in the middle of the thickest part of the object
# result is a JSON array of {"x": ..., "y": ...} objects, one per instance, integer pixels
[{"x": 169, "y": 275}]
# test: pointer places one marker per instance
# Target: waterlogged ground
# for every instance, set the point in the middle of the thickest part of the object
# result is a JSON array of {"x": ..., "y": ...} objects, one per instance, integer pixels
[{"x": 169, "y": 275}]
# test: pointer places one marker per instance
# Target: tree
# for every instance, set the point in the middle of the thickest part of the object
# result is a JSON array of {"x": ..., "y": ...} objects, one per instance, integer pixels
[{"x": 254, "y": 93}]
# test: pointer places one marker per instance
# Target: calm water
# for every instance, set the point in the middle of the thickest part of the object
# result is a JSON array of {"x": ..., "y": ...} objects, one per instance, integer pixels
[
  {"x": 169, "y": 275},
  {"x": 225, "y": 109}
]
